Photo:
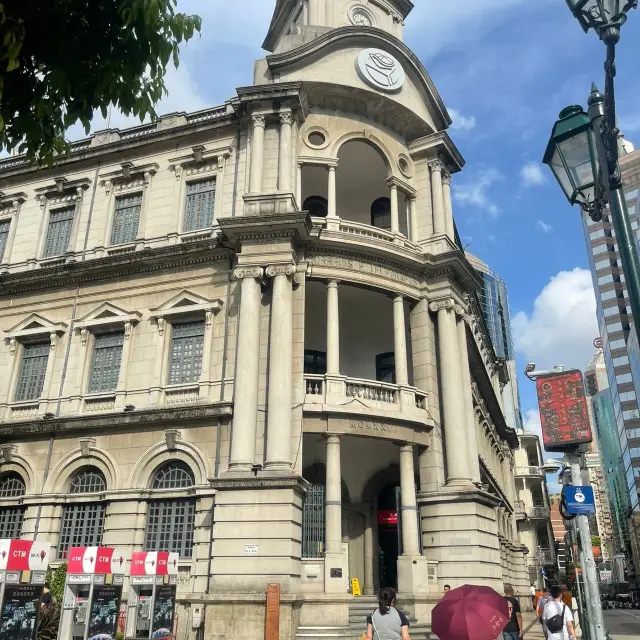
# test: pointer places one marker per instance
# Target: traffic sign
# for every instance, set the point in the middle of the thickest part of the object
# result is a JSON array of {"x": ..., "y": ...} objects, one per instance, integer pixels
[{"x": 579, "y": 500}]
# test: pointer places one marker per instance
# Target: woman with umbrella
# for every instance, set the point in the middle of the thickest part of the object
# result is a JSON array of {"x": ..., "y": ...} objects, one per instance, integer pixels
[{"x": 386, "y": 622}]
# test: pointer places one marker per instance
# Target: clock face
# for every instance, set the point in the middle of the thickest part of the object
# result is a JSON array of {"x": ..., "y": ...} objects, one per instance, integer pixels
[{"x": 361, "y": 18}]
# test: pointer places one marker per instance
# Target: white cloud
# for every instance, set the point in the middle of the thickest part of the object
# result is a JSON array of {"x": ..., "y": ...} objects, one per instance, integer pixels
[
  {"x": 547, "y": 228},
  {"x": 461, "y": 122},
  {"x": 475, "y": 193},
  {"x": 531, "y": 174},
  {"x": 531, "y": 422},
  {"x": 561, "y": 328}
]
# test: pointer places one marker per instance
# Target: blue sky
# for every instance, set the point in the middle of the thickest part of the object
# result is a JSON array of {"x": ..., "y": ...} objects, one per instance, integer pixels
[{"x": 505, "y": 68}]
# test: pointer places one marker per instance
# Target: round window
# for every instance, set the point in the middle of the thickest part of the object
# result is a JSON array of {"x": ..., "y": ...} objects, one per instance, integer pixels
[
  {"x": 317, "y": 138},
  {"x": 405, "y": 166}
]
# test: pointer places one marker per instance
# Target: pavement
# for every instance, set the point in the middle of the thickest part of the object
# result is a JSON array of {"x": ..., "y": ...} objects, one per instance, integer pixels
[{"x": 620, "y": 623}]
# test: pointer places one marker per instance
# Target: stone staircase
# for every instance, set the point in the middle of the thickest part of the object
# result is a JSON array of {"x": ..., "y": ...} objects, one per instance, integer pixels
[{"x": 359, "y": 609}]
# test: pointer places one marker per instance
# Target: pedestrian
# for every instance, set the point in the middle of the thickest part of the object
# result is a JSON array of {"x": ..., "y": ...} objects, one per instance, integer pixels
[
  {"x": 513, "y": 630},
  {"x": 386, "y": 622},
  {"x": 532, "y": 591},
  {"x": 447, "y": 588},
  {"x": 558, "y": 618},
  {"x": 567, "y": 598},
  {"x": 542, "y": 602}
]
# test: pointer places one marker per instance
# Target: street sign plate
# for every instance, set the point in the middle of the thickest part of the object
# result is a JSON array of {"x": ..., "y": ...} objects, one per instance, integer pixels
[{"x": 579, "y": 500}]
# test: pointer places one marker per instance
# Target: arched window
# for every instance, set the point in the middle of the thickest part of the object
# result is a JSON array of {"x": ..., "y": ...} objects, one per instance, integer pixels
[
  {"x": 11, "y": 486},
  {"x": 317, "y": 206},
  {"x": 381, "y": 213},
  {"x": 170, "y": 521},
  {"x": 82, "y": 524}
]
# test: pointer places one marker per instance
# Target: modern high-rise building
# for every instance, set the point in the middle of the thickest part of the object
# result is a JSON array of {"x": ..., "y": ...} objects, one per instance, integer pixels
[
  {"x": 619, "y": 342},
  {"x": 247, "y": 335}
]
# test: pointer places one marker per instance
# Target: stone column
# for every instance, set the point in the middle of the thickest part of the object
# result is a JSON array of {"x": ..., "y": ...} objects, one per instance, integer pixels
[
  {"x": 395, "y": 218},
  {"x": 332, "y": 207},
  {"x": 437, "y": 196},
  {"x": 471, "y": 435},
  {"x": 453, "y": 409},
  {"x": 413, "y": 218},
  {"x": 257, "y": 154},
  {"x": 400, "y": 341},
  {"x": 243, "y": 437},
  {"x": 284, "y": 156},
  {"x": 410, "y": 540},
  {"x": 333, "y": 497},
  {"x": 368, "y": 552},
  {"x": 448, "y": 207},
  {"x": 280, "y": 368},
  {"x": 299, "y": 186},
  {"x": 333, "y": 329}
]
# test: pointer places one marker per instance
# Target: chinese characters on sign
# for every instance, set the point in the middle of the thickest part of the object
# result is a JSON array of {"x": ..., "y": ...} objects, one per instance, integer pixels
[
  {"x": 563, "y": 410},
  {"x": 18, "y": 620}
]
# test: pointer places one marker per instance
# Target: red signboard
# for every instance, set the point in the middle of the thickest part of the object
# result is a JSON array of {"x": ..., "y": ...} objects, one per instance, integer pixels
[
  {"x": 154, "y": 563},
  {"x": 24, "y": 555},
  {"x": 388, "y": 517},
  {"x": 563, "y": 410},
  {"x": 100, "y": 560}
]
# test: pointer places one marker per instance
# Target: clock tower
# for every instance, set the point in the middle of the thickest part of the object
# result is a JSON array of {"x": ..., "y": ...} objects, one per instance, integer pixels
[{"x": 298, "y": 21}]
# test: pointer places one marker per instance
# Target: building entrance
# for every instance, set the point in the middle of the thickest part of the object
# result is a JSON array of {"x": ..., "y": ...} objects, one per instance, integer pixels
[{"x": 389, "y": 535}]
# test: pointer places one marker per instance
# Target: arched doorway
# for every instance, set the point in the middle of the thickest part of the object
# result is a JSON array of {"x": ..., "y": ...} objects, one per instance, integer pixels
[{"x": 388, "y": 535}]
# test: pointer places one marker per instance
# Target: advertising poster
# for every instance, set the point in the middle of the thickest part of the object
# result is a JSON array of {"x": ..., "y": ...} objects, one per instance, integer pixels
[
  {"x": 563, "y": 410},
  {"x": 163, "y": 609},
  {"x": 18, "y": 619},
  {"x": 105, "y": 608}
]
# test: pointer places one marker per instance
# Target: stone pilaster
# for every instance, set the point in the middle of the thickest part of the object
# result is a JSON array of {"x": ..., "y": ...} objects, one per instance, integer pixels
[
  {"x": 437, "y": 196},
  {"x": 284, "y": 153},
  {"x": 257, "y": 154},
  {"x": 448, "y": 206}
]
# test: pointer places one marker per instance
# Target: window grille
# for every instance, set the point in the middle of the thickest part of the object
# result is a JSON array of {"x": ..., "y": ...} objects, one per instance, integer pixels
[
  {"x": 186, "y": 352},
  {"x": 386, "y": 367},
  {"x": 59, "y": 231},
  {"x": 313, "y": 522},
  {"x": 33, "y": 369},
  {"x": 201, "y": 198},
  {"x": 170, "y": 523},
  {"x": 126, "y": 218},
  {"x": 82, "y": 524},
  {"x": 315, "y": 362},
  {"x": 381, "y": 213},
  {"x": 107, "y": 356},
  {"x": 11, "y": 486},
  {"x": 5, "y": 225}
]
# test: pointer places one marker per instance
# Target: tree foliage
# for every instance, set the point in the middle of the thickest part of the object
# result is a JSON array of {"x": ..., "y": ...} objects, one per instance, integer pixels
[
  {"x": 61, "y": 60},
  {"x": 54, "y": 581}
]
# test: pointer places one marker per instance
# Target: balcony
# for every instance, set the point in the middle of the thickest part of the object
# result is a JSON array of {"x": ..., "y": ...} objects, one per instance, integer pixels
[
  {"x": 341, "y": 394},
  {"x": 520, "y": 510},
  {"x": 529, "y": 472},
  {"x": 538, "y": 513}
]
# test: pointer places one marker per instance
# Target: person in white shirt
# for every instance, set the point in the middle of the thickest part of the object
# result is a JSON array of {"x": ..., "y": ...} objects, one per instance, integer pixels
[
  {"x": 532, "y": 591},
  {"x": 557, "y": 608}
]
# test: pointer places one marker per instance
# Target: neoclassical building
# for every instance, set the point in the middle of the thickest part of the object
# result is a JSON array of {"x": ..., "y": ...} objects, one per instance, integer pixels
[{"x": 250, "y": 335}]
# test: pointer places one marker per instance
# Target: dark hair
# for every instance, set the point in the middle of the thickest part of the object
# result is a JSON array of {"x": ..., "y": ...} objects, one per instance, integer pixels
[
  {"x": 447, "y": 586},
  {"x": 386, "y": 599},
  {"x": 508, "y": 590},
  {"x": 556, "y": 592}
]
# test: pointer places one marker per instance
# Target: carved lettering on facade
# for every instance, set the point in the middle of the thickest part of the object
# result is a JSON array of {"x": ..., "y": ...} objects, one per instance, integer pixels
[
  {"x": 362, "y": 266},
  {"x": 372, "y": 426}
]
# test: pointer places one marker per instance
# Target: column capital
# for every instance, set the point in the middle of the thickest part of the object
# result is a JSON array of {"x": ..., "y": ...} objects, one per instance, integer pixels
[
  {"x": 281, "y": 270},
  {"x": 332, "y": 438},
  {"x": 446, "y": 177},
  {"x": 286, "y": 117},
  {"x": 448, "y": 304},
  {"x": 333, "y": 283},
  {"x": 259, "y": 120},
  {"x": 459, "y": 311},
  {"x": 331, "y": 166},
  {"x": 436, "y": 166},
  {"x": 405, "y": 447},
  {"x": 248, "y": 272}
]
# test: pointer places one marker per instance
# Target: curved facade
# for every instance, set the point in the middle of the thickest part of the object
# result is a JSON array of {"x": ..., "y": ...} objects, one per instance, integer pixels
[{"x": 197, "y": 364}]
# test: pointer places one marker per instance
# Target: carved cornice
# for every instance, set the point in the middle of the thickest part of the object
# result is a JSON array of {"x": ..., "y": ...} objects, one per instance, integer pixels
[
  {"x": 280, "y": 225},
  {"x": 10, "y": 202},
  {"x": 99, "y": 423},
  {"x": 250, "y": 483},
  {"x": 114, "y": 266}
]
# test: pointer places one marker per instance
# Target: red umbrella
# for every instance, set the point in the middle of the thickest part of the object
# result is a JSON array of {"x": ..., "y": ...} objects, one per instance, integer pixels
[{"x": 470, "y": 613}]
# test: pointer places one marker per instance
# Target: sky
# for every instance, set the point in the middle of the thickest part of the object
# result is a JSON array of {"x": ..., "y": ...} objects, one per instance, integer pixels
[{"x": 505, "y": 69}]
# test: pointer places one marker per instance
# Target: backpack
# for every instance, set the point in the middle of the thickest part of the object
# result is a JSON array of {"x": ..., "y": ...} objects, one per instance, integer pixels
[{"x": 555, "y": 624}]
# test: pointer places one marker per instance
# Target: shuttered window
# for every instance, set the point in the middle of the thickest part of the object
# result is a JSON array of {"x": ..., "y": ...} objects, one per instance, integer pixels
[
  {"x": 107, "y": 356},
  {"x": 126, "y": 218},
  {"x": 186, "y": 352},
  {"x": 11, "y": 486},
  {"x": 170, "y": 523},
  {"x": 83, "y": 524},
  {"x": 59, "y": 232},
  {"x": 313, "y": 513},
  {"x": 201, "y": 198},
  {"x": 5, "y": 225},
  {"x": 33, "y": 369}
]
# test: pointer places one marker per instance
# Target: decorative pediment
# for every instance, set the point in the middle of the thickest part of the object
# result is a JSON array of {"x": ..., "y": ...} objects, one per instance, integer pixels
[
  {"x": 184, "y": 304},
  {"x": 10, "y": 202},
  {"x": 128, "y": 176},
  {"x": 106, "y": 315},
  {"x": 33, "y": 327},
  {"x": 200, "y": 160},
  {"x": 62, "y": 191}
]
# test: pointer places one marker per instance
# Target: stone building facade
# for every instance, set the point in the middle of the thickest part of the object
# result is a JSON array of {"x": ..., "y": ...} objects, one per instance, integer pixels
[{"x": 248, "y": 335}]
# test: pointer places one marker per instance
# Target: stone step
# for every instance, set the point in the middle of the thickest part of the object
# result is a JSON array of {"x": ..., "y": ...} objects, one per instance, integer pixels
[{"x": 324, "y": 633}]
